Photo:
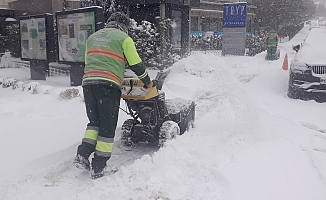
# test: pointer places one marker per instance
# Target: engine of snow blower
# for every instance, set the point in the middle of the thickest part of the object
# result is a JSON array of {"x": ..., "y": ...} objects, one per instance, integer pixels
[
  {"x": 154, "y": 119},
  {"x": 272, "y": 56}
]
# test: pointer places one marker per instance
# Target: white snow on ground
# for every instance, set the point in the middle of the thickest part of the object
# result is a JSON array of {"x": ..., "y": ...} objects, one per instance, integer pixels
[{"x": 250, "y": 141}]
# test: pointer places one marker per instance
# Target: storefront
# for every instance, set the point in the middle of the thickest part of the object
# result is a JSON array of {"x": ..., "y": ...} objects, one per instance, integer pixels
[
  {"x": 154, "y": 10},
  {"x": 209, "y": 17},
  {"x": 6, "y": 19}
]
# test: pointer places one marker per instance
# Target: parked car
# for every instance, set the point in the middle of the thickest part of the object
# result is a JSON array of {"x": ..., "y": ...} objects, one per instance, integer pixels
[
  {"x": 314, "y": 24},
  {"x": 307, "y": 79}
]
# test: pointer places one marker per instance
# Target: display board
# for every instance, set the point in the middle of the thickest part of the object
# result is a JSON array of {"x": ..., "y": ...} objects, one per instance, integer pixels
[
  {"x": 234, "y": 29},
  {"x": 33, "y": 37},
  {"x": 234, "y": 15},
  {"x": 73, "y": 29}
]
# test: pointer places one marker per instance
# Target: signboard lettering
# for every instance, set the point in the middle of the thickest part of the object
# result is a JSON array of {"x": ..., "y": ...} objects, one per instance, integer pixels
[
  {"x": 235, "y": 10},
  {"x": 75, "y": 18},
  {"x": 84, "y": 4}
]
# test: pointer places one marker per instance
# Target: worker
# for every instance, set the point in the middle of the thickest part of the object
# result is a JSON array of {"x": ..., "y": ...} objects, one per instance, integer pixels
[
  {"x": 106, "y": 52},
  {"x": 272, "y": 39}
]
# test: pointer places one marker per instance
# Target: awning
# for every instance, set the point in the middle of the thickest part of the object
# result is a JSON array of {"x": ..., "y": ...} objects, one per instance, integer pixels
[
  {"x": 207, "y": 13},
  {"x": 7, "y": 12}
]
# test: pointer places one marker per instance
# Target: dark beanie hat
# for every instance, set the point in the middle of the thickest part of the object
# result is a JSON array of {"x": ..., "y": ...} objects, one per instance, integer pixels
[{"x": 119, "y": 17}]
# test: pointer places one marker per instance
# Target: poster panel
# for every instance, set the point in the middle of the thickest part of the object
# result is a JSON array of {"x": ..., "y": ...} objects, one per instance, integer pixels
[
  {"x": 33, "y": 38},
  {"x": 73, "y": 31}
]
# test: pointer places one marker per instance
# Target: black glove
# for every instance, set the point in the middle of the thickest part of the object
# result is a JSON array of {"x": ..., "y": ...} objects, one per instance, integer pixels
[
  {"x": 157, "y": 84},
  {"x": 150, "y": 85}
]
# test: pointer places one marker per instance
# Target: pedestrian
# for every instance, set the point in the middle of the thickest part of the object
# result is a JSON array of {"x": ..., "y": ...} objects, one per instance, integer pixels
[{"x": 107, "y": 52}]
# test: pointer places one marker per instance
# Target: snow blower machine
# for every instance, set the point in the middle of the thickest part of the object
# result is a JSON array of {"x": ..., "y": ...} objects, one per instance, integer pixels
[
  {"x": 272, "y": 54},
  {"x": 154, "y": 119}
]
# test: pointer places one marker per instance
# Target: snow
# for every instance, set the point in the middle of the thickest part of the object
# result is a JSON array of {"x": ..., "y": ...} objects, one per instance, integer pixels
[
  {"x": 313, "y": 48},
  {"x": 250, "y": 140}
]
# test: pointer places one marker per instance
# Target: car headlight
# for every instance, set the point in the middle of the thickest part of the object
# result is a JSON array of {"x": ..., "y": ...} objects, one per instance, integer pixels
[{"x": 296, "y": 65}]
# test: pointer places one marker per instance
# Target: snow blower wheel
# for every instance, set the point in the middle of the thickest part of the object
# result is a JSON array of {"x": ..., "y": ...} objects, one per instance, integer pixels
[
  {"x": 168, "y": 131},
  {"x": 126, "y": 132}
]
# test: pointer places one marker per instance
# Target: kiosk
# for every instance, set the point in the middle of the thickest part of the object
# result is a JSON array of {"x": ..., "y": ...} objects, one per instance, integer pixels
[
  {"x": 5, "y": 18},
  {"x": 37, "y": 43},
  {"x": 73, "y": 29}
]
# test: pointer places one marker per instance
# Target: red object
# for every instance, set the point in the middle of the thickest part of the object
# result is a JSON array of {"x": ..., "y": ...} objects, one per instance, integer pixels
[{"x": 285, "y": 62}]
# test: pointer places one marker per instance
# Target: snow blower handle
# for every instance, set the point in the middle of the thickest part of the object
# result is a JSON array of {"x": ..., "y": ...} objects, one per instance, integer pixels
[
  {"x": 131, "y": 82},
  {"x": 134, "y": 89}
]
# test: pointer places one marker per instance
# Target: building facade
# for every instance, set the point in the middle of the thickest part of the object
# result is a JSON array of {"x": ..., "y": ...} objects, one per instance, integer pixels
[
  {"x": 209, "y": 17},
  {"x": 188, "y": 15},
  {"x": 4, "y": 3},
  {"x": 34, "y": 7}
]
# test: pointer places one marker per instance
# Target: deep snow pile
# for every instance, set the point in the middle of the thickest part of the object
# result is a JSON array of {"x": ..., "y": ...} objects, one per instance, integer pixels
[{"x": 250, "y": 140}]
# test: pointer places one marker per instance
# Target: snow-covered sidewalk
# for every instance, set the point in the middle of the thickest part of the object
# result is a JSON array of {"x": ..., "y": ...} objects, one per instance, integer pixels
[{"x": 250, "y": 141}]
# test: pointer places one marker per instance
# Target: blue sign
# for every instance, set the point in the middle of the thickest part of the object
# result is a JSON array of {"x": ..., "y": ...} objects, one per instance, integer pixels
[
  {"x": 218, "y": 33},
  {"x": 197, "y": 33},
  {"x": 234, "y": 15},
  {"x": 84, "y": 4}
]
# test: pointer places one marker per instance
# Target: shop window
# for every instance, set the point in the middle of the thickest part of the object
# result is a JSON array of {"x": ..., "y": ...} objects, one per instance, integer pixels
[
  {"x": 213, "y": 24},
  {"x": 176, "y": 28},
  {"x": 205, "y": 22},
  {"x": 194, "y": 24}
]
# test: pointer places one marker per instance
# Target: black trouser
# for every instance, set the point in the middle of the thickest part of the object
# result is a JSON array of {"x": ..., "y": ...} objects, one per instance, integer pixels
[{"x": 102, "y": 107}]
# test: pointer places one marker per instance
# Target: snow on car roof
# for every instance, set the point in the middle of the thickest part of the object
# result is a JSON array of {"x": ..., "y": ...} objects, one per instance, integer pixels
[
  {"x": 314, "y": 48},
  {"x": 314, "y": 23}
]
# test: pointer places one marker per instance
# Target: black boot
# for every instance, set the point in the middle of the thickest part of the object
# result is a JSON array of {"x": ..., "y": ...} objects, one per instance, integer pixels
[
  {"x": 83, "y": 152},
  {"x": 98, "y": 166},
  {"x": 81, "y": 163}
]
